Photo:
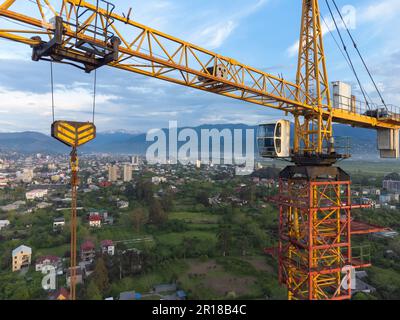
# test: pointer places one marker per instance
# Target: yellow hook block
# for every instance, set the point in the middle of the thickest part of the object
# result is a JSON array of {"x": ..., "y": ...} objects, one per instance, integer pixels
[{"x": 73, "y": 134}]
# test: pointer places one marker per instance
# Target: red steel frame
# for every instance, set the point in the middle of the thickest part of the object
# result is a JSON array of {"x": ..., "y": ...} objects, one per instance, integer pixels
[{"x": 315, "y": 238}]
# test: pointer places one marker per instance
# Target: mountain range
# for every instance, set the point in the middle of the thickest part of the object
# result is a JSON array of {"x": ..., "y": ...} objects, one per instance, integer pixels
[{"x": 363, "y": 141}]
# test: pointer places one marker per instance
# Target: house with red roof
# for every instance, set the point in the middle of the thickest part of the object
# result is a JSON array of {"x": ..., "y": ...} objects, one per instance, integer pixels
[
  {"x": 95, "y": 221},
  {"x": 107, "y": 247},
  {"x": 44, "y": 261},
  {"x": 88, "y": 251}
]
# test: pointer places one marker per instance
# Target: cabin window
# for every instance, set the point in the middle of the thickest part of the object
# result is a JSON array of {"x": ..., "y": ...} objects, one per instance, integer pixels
[
  {"x": 278, "y": 145},
  {"x": 279, "y": 130}
]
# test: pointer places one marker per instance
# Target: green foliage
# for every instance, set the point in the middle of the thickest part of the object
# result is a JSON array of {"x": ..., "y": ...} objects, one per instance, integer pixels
[
  {"x": 157, "y": 215},
  {"x": 144, "y": 191},
  {"x": 225, "y": 238},
  {"x": 248, "y": 194},
  {"x": 386, "y": 281},
  {"x": 138, "y": 218},
  {"x": 202, "y": 198},
  {"x": 14, "y": 286},
  {"x": 167, "y": 202},
  {"x": 175, "y": 226},
  {"x": 237, "y": 266},
  {"x": 363, "y": 296},
  {"x": 191, "y": 232},
  {"x": 162, "y": 272},
  {"x": 100, "y": 275},
  {"x": 93, "y": 292}
]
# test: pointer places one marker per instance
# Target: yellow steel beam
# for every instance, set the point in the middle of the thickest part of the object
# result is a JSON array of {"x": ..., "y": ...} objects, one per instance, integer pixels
[
  {"x": 6, "y": 4},
  {"x": 152, "y": 53}
]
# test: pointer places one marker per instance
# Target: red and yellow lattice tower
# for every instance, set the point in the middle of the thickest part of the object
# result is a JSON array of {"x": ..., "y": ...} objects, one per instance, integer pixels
[{"x": 315, "y": 253}]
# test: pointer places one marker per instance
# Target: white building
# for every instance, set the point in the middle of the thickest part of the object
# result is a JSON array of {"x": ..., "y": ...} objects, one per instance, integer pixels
[
  {"x": 27, "y": 175},
  {"x": 21, "y": 257},
  {"x": 122, "y": 204},
  {"x": 135, "y": 160},
  {"x": 58, "y": 223},
  {"x": 128, "y": 173},
  {"x": 43, "y": 205},
  {"x": 385, "y": 198},
  {"x": 3, "y": 181},
  {"x": 4, "y": 224},
  {"x": 107, "y": 247},
  {"x": 157, "y": 180},
  {"x": 113, "y": 173},
  {"x": 36, "y": 194},
  {"x": 95, "y": 221}
]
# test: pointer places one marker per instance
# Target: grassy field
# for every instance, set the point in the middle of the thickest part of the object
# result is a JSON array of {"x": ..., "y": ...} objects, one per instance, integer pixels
[
  {"x": 176, "y": 238},
  {"x": 222, "y": 278},
  {"x": 116, "y": 233},
  {"x": 379, "y": 168},
  {"x": 55, "y": 251},
  {"x": 194, "y": 217}
]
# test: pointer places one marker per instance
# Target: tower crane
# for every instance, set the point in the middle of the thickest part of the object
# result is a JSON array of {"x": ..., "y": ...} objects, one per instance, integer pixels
[{"x": 315, "y": 225}]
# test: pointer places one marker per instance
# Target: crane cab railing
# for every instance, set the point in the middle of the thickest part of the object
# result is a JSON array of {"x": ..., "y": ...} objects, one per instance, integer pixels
[
  {"x": 91, "y": 54},
  {"x": 98, "y": 29},
  {"x": 385, "y": 113}
]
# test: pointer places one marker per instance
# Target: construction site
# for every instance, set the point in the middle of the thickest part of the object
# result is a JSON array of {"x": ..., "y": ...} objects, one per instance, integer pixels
[{"x": 302, "y": 208}]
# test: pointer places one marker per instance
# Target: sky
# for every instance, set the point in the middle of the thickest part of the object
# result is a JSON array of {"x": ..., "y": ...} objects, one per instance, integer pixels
[{"x": 260, "y": 33}]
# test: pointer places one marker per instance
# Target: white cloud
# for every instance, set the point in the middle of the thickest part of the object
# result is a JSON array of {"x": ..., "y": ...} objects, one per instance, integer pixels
[
  {"x": 293, "y": 50},
  {"x": 146, "y": 90},
  {"x": 214, "y": 35},
  {"x": 68, "y": 101},
  {"x": 381, "y": 11},
  {"x": 14, "y": 51},
  {"x": 327, "y": 24}
]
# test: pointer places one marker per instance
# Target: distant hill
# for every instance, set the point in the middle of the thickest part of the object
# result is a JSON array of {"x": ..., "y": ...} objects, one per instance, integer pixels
[
  {"x": 363, "y": 141},
  {"x": 30, "y": 142}
]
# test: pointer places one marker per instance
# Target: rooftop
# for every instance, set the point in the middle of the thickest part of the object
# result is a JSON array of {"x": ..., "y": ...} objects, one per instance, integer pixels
[
  {"x": 62, "y": 292},
  {"x": 127, "y": 295},
  {"x": 52, "y": 259},
  {"x": 87, "y": 245},
  {"x": 106, "y": 243},
  {"x": 23, "y": 248}
]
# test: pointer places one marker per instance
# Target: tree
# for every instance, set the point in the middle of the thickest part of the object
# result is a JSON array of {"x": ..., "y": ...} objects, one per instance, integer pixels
[
  {"x": 157, "y": 215},
  {"x": 138, "y": 218},
  {"x": 144, "y": 191},
  {"x": 130, "y": 262},
  {"x": 187, "y": 243},
  {"x": 130, "y": 191},
  {"x": 243, "y": 243},
  {"x": 100, "y": 275},
  {"x": 202, "y": 198},
  {"x": 167, "y": 202},
  {"x": 249, "y": 194},
  {"x": 93, "y": 292},
  {"x": 225, "y": 238}
]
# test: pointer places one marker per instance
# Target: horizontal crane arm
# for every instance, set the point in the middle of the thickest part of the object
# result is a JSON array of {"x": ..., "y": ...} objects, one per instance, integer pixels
[{"x": 152, "y": 53}]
